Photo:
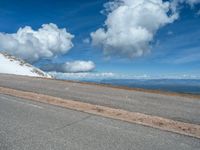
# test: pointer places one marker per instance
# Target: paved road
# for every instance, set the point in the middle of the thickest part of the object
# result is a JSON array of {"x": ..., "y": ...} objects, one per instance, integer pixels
[
  {"x": 172, "y": 107},
  {"x": 26, "y": 125}
]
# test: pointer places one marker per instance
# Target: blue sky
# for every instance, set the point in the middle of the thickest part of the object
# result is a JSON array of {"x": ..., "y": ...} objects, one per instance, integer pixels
[{"x": 175, "y": 48}]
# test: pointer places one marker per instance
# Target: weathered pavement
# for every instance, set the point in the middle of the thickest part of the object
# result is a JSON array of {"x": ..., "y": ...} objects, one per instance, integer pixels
[
  {"x": 171, "y": 107},
  {"x": 27, "y": 125}
]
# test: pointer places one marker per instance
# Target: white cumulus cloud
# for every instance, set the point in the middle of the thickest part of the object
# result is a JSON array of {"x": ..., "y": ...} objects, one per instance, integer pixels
[
  {"x": 86, "y": 40},
  {"x": 95, "y": 76},
  {"x": 83, "y": 75},
  {"x": 78, "y": 66},
  {"x": 33, "y": 45},
  {"x": 72, "y": 67},
  {"x": 131, "y": 25}
]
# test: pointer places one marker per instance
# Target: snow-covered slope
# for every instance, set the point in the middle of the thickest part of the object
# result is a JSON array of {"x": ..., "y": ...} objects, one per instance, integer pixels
[{"x": 12, "y": 65}]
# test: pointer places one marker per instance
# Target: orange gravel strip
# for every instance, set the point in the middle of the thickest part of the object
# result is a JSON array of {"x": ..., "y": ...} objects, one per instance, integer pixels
[{"x": 188, "y": 129}]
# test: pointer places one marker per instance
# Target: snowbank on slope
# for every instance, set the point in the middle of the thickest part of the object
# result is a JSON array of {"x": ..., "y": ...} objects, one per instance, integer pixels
[{"x": 12, "y": 65}]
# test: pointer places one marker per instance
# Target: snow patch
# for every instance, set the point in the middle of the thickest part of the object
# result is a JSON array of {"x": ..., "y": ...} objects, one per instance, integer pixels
[{"x": 12, "y": 65}]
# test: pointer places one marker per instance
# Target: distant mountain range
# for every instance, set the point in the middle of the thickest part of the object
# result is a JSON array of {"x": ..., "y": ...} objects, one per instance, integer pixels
[{"x": 191, "y": 86}]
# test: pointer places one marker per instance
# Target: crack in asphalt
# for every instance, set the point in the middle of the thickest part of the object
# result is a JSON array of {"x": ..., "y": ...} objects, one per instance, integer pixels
[{"x": 70, "y": 124}]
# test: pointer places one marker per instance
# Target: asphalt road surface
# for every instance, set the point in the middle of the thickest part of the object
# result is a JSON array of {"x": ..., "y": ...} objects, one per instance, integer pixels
[
  {"x": 172, "y": 107},
  {"x": 27, "y": 125}
]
